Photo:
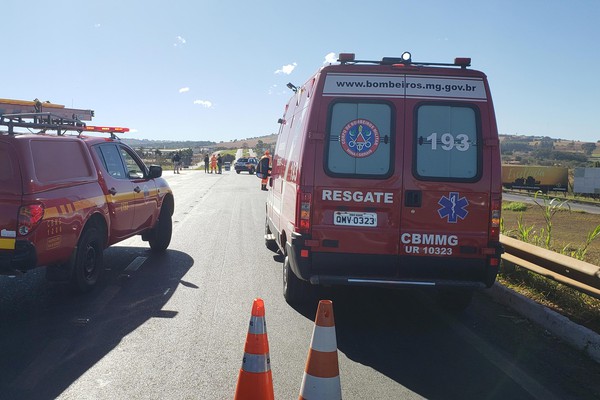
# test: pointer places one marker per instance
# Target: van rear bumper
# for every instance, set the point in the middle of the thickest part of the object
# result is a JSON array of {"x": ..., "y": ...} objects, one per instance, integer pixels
[
  {"x": 21, "y": 259},
  {"x": 321, "y": 268}
]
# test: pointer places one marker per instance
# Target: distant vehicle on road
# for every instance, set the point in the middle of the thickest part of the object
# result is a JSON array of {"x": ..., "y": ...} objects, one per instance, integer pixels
[
  {"x": 246, "y": 164},
  {"x": 227, "y": 166}
]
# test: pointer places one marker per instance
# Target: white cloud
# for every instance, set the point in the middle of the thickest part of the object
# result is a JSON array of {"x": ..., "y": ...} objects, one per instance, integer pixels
[
  {"x": 330, "y": 58},
  {"x": 184, "y": 89},
  {"x": 180, "y": 41},
  {"x": 286, "y": 69},
  {"x": 203, "y": 103},
  {"x": 97, "y": 25}
]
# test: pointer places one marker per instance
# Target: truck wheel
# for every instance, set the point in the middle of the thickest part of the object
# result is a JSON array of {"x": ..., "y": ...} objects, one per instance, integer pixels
[
  {"x": 270, "y": 244},
  {"x": 88, "y": 261},
  {"x": 454, "y": 300},
  {"x": 295, "y": 290},
  {"x": 161, "y": 233}
]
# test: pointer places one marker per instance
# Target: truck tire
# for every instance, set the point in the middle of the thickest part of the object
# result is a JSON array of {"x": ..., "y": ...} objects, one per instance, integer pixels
[
  {"x": 88, "y": 261},
  {"x": 295, "y": 290},
  {"x": 161, "y": 233}
]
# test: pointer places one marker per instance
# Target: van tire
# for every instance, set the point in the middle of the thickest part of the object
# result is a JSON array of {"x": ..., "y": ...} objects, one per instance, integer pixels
[
  {"x": 295, "y": 290},
  {"x": 161, "y": 233},
  {"x": 88, "y": 262},
  {"x": 454, "y": 300}
]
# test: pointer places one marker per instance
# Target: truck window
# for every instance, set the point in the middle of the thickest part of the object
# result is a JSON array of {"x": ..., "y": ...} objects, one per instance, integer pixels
[
  {"x": 73, "y": 160},
  {"x": 134, "y": 170},
  {"x": 109, "y": 154},
  {"x": 10, "y": 177},
  {"x": 447, "y": 142},
  {"x": 360, "y": 139}
]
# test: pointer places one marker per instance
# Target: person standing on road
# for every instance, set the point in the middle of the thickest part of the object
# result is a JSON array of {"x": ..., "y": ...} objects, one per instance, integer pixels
[
  {"x": 264, "y": 180},
  {"x": 213, "y": 164},
  {"x": 219, "y": 162},
  {"x": 206, "y": 162},
  {"x": 176, "y": 162}
]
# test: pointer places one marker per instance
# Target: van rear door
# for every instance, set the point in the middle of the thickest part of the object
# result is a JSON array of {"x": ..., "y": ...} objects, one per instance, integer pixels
[
  {"x": 447, "y": 179},
  {"x": 11, "y": 191},
  {"x": 357, "y": 189}
]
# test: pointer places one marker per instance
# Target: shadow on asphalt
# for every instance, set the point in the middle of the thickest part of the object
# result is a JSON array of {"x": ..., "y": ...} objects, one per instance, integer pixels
[
  {"x": 51, "y": 337},
  {"x": 407, "y": 337}
]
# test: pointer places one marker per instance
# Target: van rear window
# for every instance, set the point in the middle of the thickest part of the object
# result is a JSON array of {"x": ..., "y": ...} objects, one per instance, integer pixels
[
  {"x": 447, "y": 142},
  {"x": 60, "y": 160},
  {"x": 360, "y": 139}
]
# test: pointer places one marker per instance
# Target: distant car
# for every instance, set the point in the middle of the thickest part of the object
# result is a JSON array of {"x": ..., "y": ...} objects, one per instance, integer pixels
[
  {"x": 246, "y": 164},
  {"x": 227, "y": 166}
]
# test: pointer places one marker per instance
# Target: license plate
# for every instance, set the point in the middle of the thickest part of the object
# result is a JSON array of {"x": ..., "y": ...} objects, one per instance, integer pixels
[{"x": 354, "y": 218}]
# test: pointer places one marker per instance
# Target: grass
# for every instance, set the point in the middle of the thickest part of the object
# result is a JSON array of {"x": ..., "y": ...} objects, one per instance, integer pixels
[{"x": 570, "y": 233}]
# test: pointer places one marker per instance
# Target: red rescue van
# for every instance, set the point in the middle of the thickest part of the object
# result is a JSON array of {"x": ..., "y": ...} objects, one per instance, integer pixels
[{"x": 387, "y": 173}]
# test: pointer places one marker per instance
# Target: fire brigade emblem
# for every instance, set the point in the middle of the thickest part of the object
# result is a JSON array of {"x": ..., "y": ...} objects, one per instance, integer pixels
[
  {"x": 453, "y": 207},
  {"x": 359, "y": 138}
]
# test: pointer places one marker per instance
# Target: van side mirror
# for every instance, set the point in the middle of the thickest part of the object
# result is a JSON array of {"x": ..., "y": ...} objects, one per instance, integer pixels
[
  {"x": 155, "y": 171},
  {"x": 263, "y": 170}
]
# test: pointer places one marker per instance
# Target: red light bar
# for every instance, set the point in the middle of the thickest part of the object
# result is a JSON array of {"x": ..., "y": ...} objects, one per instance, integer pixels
[
  {"x": 105, "y": 129},
  {"x": 462, "y": 61},
  {"x": 346, "y": 57}
]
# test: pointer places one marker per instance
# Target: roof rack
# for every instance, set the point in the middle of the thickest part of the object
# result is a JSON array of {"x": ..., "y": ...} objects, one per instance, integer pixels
[{"x": 31, "y": 115}]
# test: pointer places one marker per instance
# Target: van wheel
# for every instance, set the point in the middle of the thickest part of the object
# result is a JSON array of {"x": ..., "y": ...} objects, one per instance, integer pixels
[
  {"x": 162, "y": 231},
  {"x": 88, "y": 261},
  {"x": 454, "y": 300},
  {"x": 295, "y": 290},
  {"x": 270, "y": 244}
]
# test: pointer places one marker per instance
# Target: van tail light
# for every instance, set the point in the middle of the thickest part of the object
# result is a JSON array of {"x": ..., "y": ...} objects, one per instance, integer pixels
[
  {"x": 30, "y": 217},
  {"x": 495, "y": 220},
  {"x": 304, "y": 201}
]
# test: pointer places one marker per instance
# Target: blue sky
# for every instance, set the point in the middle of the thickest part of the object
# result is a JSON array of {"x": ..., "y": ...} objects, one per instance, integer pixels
[{"x": 217, "y": 70}]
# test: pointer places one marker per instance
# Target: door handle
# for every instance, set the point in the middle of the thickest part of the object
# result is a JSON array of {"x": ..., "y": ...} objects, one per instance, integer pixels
[
  {"x": 112, "y": 191},
  {"x": 412, "y": 198}
]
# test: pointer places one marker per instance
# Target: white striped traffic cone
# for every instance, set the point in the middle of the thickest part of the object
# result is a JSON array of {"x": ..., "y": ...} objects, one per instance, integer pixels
[
  {"x": 321, "y": 378},
  {"x": 255, "y": 381}
]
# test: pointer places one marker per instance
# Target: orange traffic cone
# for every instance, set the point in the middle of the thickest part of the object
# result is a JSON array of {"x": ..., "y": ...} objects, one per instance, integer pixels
[
  {"x": 321, "y": 378},
  {"x": 255, "y": 381}
]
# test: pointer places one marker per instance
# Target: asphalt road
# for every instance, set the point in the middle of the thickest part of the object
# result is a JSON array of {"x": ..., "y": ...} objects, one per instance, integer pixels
[{"x": 173, "y": 326}]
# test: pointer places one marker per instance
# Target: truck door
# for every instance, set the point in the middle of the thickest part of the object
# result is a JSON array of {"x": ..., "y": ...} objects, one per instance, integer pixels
[
  {"x": 446, "y": 203},
  {"x": 120, "y": 196},
  {"x": 145, "y": 201}
]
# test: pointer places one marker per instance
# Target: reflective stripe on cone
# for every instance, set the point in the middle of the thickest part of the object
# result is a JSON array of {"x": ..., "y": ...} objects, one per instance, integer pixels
[
  {"x": 321, "y": 378},
  {"x": 255, "y": 380}
]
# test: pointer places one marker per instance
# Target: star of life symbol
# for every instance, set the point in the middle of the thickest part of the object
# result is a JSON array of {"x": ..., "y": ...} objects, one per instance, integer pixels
[{"x": 453, "y": 207}]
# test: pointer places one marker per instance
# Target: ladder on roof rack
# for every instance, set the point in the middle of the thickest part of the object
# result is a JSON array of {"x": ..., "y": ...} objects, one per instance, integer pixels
[
  {"x": 49, "y": 116},
  {"x": 8, "y": 106}
]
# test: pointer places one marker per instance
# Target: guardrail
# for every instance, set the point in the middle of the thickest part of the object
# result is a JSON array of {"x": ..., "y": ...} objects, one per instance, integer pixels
[{"x": 577, "y": 274}]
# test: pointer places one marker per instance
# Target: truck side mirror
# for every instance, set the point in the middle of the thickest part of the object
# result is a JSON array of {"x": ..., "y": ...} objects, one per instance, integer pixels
[
  {"x": 155, "y": 171},
  {"x": 263, "y": 170}
]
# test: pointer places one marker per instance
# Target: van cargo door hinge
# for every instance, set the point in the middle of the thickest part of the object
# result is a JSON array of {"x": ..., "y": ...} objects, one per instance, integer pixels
[{"x": 316, "y": 135}]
